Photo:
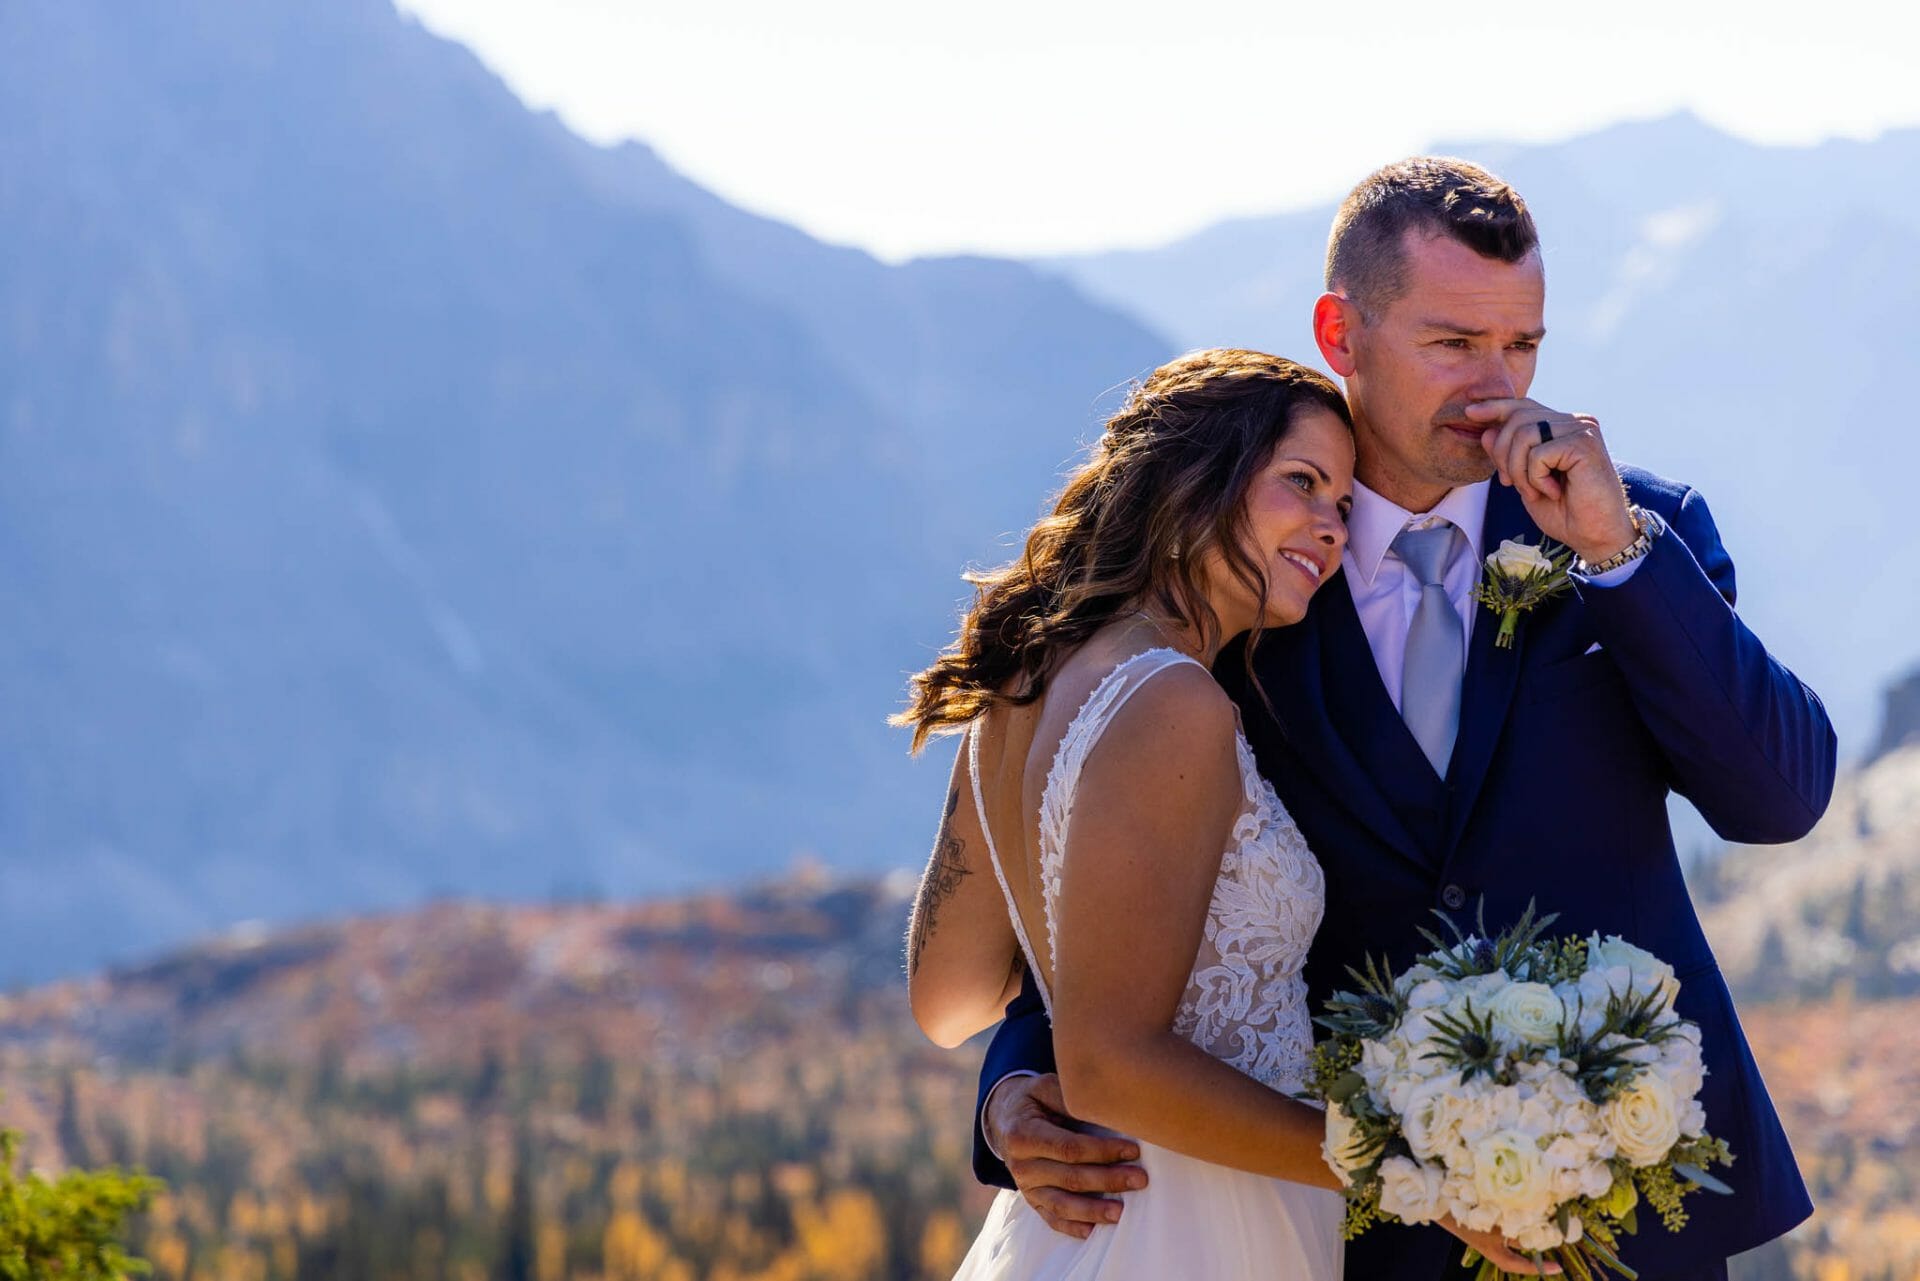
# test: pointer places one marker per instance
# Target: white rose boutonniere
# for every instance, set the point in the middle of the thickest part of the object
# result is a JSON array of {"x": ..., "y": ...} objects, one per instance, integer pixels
[{"x": 1518, "y": 576}]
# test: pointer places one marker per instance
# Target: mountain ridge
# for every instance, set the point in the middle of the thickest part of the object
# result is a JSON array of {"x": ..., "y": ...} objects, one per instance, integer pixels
[{"x": 391, "y": 509}]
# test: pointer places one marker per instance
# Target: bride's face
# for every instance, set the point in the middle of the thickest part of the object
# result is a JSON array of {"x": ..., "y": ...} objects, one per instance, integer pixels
[{"x": 1296, "y": 524}]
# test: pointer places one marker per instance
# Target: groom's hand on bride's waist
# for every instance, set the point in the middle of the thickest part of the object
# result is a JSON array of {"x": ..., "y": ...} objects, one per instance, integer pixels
[{"x": 1069, "y": 1177}]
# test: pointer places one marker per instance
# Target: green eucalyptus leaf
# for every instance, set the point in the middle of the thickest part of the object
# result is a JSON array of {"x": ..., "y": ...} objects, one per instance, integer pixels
[{"x": 1695, "y": 1174}]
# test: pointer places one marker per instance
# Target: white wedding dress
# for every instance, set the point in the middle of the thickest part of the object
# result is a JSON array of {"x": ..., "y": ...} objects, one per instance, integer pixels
[{"x": 1245, "y": 1003}]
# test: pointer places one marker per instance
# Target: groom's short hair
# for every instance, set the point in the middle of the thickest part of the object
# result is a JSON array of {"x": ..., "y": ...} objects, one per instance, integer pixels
[{"x": 1366, "y": 253}]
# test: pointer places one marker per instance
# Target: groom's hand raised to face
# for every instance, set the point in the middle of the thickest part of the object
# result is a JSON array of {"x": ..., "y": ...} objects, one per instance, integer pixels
[
  {"x": 1069, "y": 1177},
  {"x": 1562, "y": 473}
]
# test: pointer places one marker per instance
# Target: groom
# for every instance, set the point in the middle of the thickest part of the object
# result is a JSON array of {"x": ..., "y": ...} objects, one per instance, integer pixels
[{"x": 1429, "y": 768}]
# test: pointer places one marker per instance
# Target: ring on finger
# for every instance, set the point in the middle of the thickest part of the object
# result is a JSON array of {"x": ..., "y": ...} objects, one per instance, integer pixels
[{"x": 1546, "y": 430}]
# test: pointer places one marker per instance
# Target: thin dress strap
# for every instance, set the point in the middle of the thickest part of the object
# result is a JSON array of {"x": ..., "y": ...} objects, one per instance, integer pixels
[
  {"x": 993, "y": 856},
  {"x": 1056, "y": 801}
]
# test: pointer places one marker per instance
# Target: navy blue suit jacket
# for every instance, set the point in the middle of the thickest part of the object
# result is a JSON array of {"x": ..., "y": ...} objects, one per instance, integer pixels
[{"x": 1556, "y": 793}]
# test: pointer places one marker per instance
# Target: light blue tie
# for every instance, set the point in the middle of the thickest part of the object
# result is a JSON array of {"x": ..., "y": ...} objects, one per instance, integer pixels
[{"x": 1430, "y": 675}]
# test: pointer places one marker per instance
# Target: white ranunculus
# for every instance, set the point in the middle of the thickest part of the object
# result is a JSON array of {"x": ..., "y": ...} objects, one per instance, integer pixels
[
  {"x": 1341, "y": 1148},
  {"x": 1643, "y": 1120},
  {"x": 1412, "y": 1191},
  {"x": 1509, "y": 1175},
  {"x": 1518, "y": 560},
  {"x": 1529, "y": 1013},
  {"x": 1428, "y": 1119},
  {"x": 1626, "y": 966}
]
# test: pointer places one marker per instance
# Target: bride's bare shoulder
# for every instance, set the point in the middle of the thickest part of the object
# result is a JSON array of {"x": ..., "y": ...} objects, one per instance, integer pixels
[
  {"x": 1176, "y": 716},
  {"x": 1178, "y": 702}
]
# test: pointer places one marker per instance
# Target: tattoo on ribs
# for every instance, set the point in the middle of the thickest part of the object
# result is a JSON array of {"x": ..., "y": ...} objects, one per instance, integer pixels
[{"x": 945, "y": 871}]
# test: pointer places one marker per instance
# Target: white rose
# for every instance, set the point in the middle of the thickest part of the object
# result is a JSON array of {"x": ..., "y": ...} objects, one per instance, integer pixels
[
  {"x": 1341, "y": 1149},
  {"x": 1529, "y": 1013},
  {"x": 1628, "y": 967},
  {"x": 1643, "y": 1120},
  {"x": 1518, "y": 560},
  {"x": 1509, "y": 1175},
  {"x": 1412, "y": 1191}
]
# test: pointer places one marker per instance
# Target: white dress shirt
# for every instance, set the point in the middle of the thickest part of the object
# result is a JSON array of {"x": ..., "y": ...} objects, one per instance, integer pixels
[{"x": 1385, "y": 591}]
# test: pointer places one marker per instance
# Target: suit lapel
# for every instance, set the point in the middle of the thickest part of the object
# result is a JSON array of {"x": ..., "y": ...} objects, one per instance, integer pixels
[
  {"x": 1297, "y": 685},
  {"x": 1492, "y": 673}
]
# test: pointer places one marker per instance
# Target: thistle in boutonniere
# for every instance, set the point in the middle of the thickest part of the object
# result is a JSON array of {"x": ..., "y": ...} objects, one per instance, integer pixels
[{"x": 1519, "y": 576}]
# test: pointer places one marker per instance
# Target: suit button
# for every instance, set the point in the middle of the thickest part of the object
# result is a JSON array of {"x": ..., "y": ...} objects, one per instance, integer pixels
[{"x": 1454, "y": 898}]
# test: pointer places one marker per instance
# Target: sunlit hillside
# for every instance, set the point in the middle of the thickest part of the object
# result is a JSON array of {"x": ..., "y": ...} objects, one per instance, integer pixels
[{"x": 706, "y": 1089}]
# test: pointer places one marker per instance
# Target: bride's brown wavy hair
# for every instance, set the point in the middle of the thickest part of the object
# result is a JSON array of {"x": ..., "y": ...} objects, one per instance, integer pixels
[{"x": 1166, "y": 485}]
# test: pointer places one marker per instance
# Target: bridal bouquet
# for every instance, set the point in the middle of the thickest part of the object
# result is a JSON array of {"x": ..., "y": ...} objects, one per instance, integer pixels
[{"x": 1537, "y": 1087}]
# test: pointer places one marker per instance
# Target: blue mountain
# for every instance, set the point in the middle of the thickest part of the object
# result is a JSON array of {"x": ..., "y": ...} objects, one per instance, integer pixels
[{"x": 400, "y": 496}]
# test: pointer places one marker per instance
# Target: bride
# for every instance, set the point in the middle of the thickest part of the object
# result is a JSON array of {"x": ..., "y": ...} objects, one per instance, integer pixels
[{"x": 1133, "y": 858}]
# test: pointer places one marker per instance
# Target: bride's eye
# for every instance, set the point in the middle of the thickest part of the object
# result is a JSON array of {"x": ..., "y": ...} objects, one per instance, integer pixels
[{"x": 1304, "y": 479}]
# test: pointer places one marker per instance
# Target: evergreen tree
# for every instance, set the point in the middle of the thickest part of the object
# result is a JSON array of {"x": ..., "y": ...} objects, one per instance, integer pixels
[
  {"x": 69, "y": 1228},
  {"x": 73, "y": 1139},
  {"x": 518, "y": 1254}
]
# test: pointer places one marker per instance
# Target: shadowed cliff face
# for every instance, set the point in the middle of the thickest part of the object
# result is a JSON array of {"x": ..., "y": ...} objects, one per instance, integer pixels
[
  {"x": 398, "y": 495},
  {"x": 1900, "y": 718}
]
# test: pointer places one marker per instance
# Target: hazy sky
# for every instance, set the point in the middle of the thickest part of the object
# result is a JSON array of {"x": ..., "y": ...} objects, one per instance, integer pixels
[{"x": 1035, "y": 127}]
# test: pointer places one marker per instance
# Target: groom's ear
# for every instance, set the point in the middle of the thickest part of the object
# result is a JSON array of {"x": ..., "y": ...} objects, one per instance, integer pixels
[{"x": 1334, "y": 320}]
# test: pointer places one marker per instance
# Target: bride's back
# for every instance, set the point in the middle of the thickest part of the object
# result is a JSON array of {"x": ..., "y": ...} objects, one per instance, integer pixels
[{"x": 1014, "y": 751}]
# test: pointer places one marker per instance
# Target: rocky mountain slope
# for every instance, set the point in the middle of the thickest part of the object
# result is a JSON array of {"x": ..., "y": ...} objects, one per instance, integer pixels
[{"x": 1841, "y": 908}]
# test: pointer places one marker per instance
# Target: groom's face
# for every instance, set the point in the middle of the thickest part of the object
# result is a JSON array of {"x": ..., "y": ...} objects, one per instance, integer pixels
[{"x": 1464, "y": 328}]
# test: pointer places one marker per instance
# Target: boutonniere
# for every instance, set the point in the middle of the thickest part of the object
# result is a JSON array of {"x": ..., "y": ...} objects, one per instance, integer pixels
[{"x": 1519, "y": 576}]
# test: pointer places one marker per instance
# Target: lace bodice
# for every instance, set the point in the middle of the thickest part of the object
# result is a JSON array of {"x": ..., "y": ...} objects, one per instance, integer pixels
[{"x": 1245, "y": 1000}]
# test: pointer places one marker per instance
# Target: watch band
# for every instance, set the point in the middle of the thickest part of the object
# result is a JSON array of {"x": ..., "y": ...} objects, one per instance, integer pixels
[{"x": 1644, "y": 529}]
